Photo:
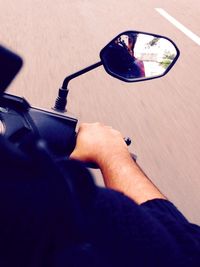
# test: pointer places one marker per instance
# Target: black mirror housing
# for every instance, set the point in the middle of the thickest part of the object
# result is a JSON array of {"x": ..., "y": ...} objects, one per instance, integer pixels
[{"x": 137, "y": 56}]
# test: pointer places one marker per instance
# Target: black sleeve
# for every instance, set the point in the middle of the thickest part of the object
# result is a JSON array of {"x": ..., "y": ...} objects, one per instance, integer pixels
[
  {"x": 151, "y": 234},
  {"x": 185, "y": 234}
]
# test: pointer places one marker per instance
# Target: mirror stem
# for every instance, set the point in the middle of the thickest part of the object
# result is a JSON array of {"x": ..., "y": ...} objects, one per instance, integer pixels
[
  {"x": 78, "y": 73},
  {"x": 61, "y": 100}
]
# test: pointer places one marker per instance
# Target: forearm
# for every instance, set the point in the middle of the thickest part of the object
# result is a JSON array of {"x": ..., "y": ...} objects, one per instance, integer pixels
[
  {"x": 121, "y": 173},
  {"x": 106, "y": 147}
]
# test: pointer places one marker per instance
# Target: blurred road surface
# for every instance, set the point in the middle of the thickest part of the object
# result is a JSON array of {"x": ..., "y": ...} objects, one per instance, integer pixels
[{"x": 57, "y": 38}]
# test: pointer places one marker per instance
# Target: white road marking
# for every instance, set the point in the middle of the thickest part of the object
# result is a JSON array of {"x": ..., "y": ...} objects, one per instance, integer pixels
[{"x": 178, "y": 25}]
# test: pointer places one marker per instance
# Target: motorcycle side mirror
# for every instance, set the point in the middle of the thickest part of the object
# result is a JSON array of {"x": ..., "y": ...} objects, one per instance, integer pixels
[{"x": 136, "y": 56}]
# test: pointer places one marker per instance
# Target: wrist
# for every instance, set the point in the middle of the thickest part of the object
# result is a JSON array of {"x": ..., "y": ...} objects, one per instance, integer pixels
[
  {"x": 118, "y": 164},
  {"x": 113, "y": 158}
]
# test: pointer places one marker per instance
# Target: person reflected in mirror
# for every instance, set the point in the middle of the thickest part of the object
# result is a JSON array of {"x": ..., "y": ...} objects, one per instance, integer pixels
[
  {"x": 132, "y": 39},
  {"x": 119, "y": 59}
]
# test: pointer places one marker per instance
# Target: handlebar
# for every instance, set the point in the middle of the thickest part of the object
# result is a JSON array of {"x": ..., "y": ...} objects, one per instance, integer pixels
[{"x": 22, "y": 122}]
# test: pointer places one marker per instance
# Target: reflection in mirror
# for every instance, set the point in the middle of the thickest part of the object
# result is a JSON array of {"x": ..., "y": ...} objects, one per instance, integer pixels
[{"x": 137, "y": 56}]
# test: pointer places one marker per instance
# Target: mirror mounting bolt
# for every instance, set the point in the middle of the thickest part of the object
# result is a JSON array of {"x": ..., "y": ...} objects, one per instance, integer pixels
[{"x": 61, "y": 100}]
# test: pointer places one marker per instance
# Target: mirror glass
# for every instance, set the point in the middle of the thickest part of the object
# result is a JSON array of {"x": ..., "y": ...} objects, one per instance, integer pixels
[{"x": 134, "y": 56}]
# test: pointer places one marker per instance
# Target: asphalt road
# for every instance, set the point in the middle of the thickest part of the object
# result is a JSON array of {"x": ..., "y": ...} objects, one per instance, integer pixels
[{"x": 57, "y": 38}]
